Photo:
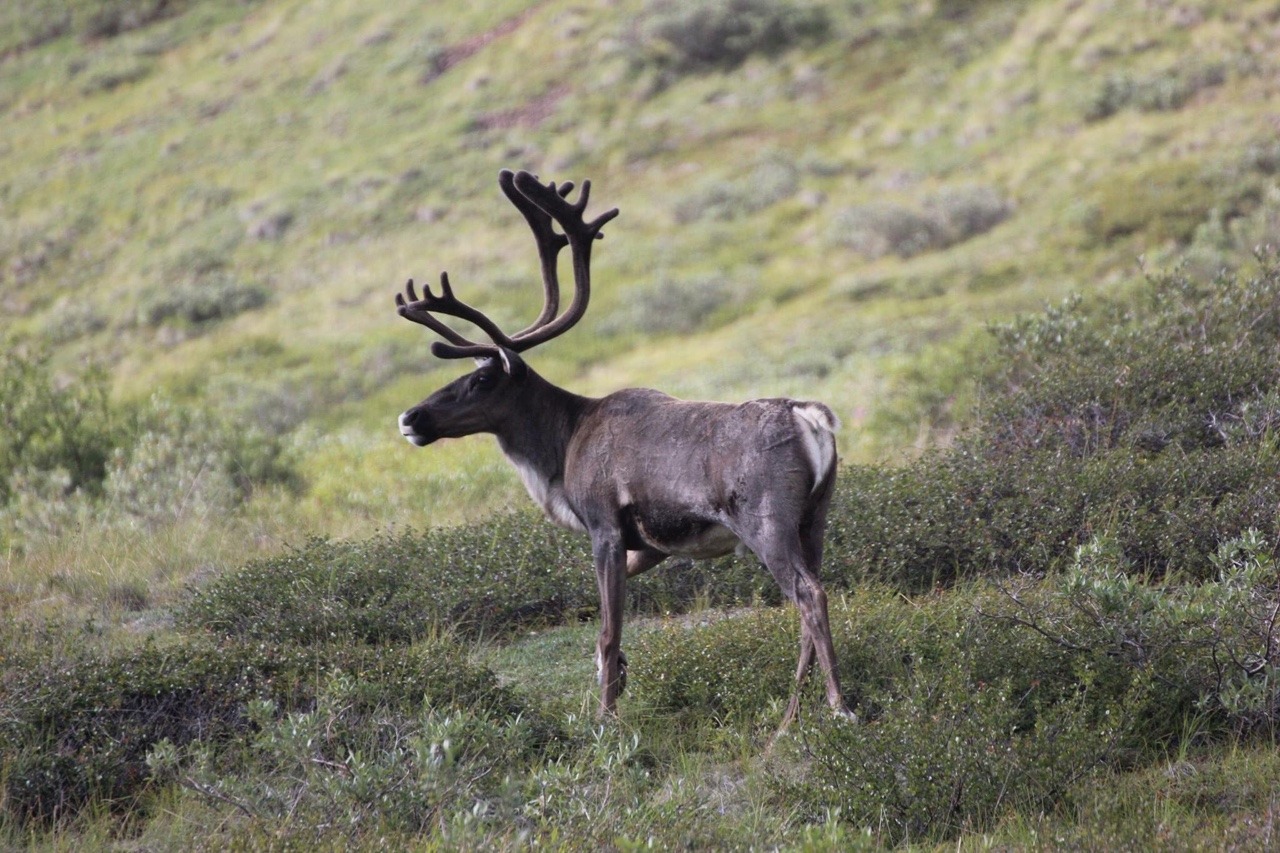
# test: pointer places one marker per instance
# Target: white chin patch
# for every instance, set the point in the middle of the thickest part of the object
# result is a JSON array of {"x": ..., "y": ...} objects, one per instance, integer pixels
[{"x": 408, "y": 433}]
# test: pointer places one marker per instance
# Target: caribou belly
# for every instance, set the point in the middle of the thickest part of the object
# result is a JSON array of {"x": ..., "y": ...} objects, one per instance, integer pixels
[{"x": 685, "y": 537}]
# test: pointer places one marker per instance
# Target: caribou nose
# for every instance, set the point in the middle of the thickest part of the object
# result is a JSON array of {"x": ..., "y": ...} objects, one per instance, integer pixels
[{"x": 411, "y": 427}]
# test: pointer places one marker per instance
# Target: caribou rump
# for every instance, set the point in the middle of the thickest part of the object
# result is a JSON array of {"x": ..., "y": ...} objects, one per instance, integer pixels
[{"x": 643, "y": 474}]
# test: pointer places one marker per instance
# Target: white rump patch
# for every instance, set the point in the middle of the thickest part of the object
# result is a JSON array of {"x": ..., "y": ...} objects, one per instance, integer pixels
[{"x": 818, "y": 427}]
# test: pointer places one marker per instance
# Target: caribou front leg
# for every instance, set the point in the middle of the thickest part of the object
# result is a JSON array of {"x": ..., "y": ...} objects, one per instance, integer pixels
[{"x": 611, "y": 577}]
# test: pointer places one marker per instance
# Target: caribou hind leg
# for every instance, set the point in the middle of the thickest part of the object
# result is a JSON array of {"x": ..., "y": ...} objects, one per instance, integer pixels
[
  {"x": 792, "y": 552},
  {"x": 803, "y": 668}
]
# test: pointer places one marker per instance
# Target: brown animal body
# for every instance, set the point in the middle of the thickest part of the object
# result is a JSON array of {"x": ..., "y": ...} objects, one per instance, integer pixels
[{"x": 644, "y": 475}]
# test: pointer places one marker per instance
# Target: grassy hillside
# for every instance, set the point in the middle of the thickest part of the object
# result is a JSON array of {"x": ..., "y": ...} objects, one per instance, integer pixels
[
  {"x": 206, "y": 207},
  {"x": 220, "y": 201}
]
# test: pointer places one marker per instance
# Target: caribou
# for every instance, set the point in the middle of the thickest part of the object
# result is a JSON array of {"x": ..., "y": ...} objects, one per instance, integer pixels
[{"x": 646, "y": 476}]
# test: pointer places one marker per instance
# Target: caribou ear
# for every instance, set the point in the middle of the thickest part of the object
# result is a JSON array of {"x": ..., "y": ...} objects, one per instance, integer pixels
[{"x": 512, "y": 364}]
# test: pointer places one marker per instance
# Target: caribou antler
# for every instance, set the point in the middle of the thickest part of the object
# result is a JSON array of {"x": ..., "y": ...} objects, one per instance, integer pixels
[
  {"x": 421, "y": 311},
  {"x": 541, "y": 205}
]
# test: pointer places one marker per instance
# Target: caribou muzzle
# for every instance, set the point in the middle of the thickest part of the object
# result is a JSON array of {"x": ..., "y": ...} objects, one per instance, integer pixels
[{"x": 417, "y": 429}]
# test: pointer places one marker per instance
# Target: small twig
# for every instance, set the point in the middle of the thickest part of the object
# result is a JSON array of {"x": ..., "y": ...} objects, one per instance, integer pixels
[
  {"x": 333, "y": 765},
  {"x": 215, "y": 794},
  {"x": 1016, "y": 620}
]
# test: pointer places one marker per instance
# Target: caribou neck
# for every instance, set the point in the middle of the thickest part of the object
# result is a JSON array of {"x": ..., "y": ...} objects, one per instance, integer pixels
[{"x": 536, "y": 441}]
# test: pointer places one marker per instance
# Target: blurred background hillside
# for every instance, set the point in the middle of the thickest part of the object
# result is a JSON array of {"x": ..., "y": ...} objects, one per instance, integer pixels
[{"x": 206, "y": 207}]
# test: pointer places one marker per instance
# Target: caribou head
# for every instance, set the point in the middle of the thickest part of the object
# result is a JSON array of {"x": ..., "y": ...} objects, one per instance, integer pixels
[{"x": 643, "y": 474}]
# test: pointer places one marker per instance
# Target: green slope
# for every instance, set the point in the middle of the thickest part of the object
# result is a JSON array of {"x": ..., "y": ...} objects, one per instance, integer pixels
[{"x": 219, "y": 198}]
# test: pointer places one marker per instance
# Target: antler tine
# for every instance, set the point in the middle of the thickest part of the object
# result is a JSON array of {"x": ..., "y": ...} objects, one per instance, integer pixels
[
  {"x": 549, "y": 244},
  {"x": 422, "y": 310},
  {"x": 579, "y": 234}
]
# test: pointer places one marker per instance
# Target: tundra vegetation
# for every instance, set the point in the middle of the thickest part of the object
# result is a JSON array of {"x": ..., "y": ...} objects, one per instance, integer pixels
[{"x": 236, "y": 612}]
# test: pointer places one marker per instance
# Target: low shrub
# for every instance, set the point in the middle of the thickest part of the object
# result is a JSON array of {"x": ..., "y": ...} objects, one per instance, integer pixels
[
  {"x": 1151, "y": 419},
  {"x": 201, "y": 300},
  {"x": 69, "y": 455},
  {"x": 78, "y": 731},
  {"x": 880, "y": 228},
  {"x": 720, "y": 34},
  {"x": 1227, "y": 238},
  {"x": 770, "y": 180},
  {"x": 1003, "y": 697},
  {"x": 1159, "y": 200},
  {"x": 670, "y": 306},
  {"x": 967, "y": 210},
  {"x": 48, "y": 423},
  {"x": 1158, "y": 92},
  {"x": 486, "y": 579},
  {"x": 400, "y": 773},
  {"x": 163, "y": 462},
  {"x": 950, "y": 216},
  {"x": 730, "y": 667}
]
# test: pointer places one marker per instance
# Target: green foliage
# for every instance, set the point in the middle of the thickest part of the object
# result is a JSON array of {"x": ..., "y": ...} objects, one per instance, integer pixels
[
  {"x": 770, "y": 180},
  {"x": 78, "y": 731},
  {"x": 201, "y": 300},
  {"x": 26, "y": 24},
  {"x": 949, "y": 755},
  {"x": 713, "y": 34},
  {"x": 951, "y": 216},
  {"x": 1168, "y": 90},
  {"x": 1010, "y": 700},
  {"x": 1228, "y": 237},
  {"x": 879, "y": 228},
  {"x": 49, "y": 425},
  {"x": 670, "y": 306},
  {"x": 730, "y": 667},
  {"x": 299, "y": 771},
  {"x": 1151, "y": 420},
  {"x": 1162, "y": 201},
  {"x": 68, "y": 455},
  {"x": 486, "y": 579}
]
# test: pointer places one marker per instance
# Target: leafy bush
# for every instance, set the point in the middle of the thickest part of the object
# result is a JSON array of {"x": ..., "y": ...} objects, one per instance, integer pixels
[
  {"x": 185, "y": 462},
  {"x": 486, "y": 579},
  {"x": 967, "y": 210},
  {"x": 115, "y": 72},
  {"x": 52, "y": 425},
  {"x": 950, "y": 216},
  {"x": 401, "y": 773},
  {"x": 771, "y": 179},
  {"x": 1151, "y": 419},
  {"x": 1008, "y": 697},
  {"x": 69, "y": 456},
  {"x": 949, "y": 756},
  {"x": 1227, "y": 238},
  {"x": 201, "y": 299},
  {"x": 729, "y": 667},
  {"x": 876, "y": 229},
  {"x": 710, "y": 34},
  {"x": 669, "y": 306},
  {"x": 78, "y": 731},
  {"x": 1159, "y": 92}
]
